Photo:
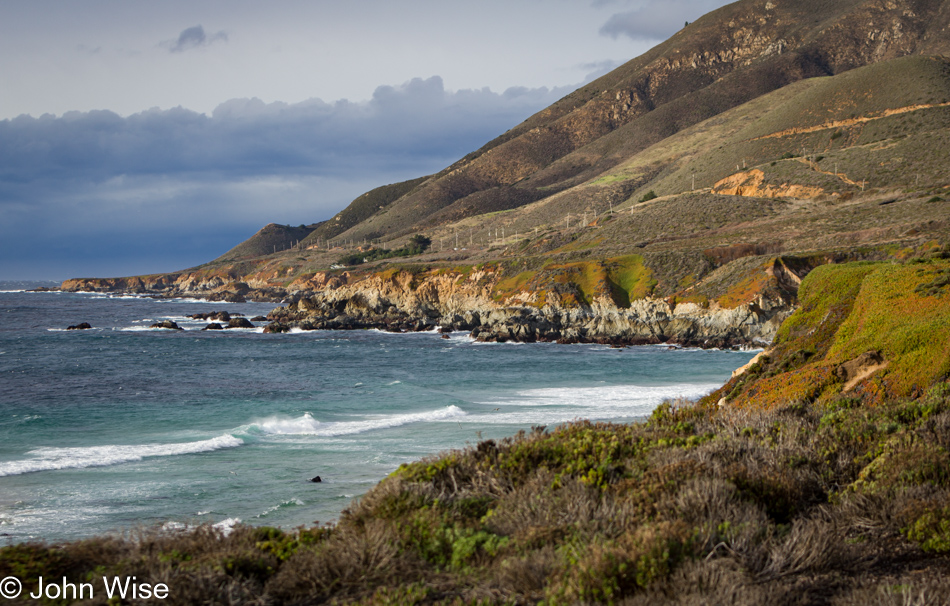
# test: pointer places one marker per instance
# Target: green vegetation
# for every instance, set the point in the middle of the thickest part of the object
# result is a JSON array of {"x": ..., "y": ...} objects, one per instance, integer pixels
[
  {"x": 417, "y": 245},
  {"x": 622, "y": 279},
  {"x": 890, "y": 320}
]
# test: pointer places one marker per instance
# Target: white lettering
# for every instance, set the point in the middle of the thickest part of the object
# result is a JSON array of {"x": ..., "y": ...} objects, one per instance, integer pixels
[
  {"x": 131, "y": 589},
  {"x": 116, "y": 587},
  {"x": 82, "y": 590},
  {"x": 66, "y": 590},
  {"x": 161, "y": 591},
  {"x": 39, "y": 590}
]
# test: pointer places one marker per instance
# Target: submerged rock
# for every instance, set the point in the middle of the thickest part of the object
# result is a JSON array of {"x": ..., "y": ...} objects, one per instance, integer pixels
[
  {"x": 221, "y": 316},
  {"x": 80, "y": 326},
  {"x": 213, "y": 326}
]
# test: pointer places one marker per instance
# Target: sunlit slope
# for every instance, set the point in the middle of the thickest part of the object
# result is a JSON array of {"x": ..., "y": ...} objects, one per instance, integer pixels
[
  {"x": 271, "y": 238},
  {"x": 725, "y": 59}
]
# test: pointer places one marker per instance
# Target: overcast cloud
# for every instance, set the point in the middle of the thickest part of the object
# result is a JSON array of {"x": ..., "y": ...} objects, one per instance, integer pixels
[{"x": 191, "y": 185}]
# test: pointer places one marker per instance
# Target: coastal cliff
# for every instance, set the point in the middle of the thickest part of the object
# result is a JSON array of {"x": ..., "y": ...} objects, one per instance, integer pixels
[
  {"x": 531, "y": 306},
  {"x": 612, "y": 301}
]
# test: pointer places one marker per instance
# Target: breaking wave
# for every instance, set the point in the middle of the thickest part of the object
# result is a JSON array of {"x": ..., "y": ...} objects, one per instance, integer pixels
[
  {"x": 48, "y": 459},
  {"x": 307, "y": 425}
]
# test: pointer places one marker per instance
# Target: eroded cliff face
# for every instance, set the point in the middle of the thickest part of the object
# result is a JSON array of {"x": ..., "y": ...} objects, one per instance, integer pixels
[
  {"x": 197, "y": 284},
  {"x": 471, "y": 301},
  {"x": 578, "y": 302}
]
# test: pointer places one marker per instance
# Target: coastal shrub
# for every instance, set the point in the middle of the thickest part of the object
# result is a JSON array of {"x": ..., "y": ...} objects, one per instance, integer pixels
[
  {"x": 29, "y": 561},
  {"x": 931, "y": 530},
  {"x": 605, "y": 571},
  {"x": 417, "y": 245},
  {"x": 650, "y": 195}
]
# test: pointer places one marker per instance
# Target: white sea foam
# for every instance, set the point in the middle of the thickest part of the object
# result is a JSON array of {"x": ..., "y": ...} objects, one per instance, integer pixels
[
  {"x": 270, "y": 510},
  {"x": 47, "y": 459},
  {"x": 307, "y": 425},
  {"x": 562, "y": 404},
  {"x": 225, "y": 527}
]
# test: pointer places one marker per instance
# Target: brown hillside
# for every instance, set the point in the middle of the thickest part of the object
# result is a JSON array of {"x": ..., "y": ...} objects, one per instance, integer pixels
[{"x": 727, "y": 58}]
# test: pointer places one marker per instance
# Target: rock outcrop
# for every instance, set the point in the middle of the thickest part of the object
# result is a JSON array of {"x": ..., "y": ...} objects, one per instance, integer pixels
[
  {"x": 167, "y": 324},
  {"x": 239, "y": 323},
  {"x": 470, "y": 302}
]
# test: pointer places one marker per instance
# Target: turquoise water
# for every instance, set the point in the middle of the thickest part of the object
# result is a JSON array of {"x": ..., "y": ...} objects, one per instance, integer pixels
[{"x": 124, "y": 426}]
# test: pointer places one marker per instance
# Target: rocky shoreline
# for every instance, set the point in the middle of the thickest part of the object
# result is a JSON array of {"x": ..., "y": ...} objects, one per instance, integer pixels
[
  {"x": 648, "y": 322},
  {"x": 450, "y": 301}
]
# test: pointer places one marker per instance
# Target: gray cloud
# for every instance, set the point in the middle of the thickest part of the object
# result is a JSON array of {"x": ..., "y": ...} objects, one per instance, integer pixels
[
  {"x": 194, "y": 37},
  {"x": 166, "y": 189},
  {"x": 657, "y": 19}
]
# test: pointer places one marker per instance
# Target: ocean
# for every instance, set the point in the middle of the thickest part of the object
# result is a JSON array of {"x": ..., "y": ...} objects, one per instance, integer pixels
[{"x": 124, "y": 426}]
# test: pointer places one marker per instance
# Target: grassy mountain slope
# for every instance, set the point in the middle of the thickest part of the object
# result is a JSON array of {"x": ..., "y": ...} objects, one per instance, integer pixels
[
  {"x": 727, "y": 58},
  {"x": 873, "y": 332},
  {"x": 361, "y": 209},
  {"x": 271, "y": 239}
]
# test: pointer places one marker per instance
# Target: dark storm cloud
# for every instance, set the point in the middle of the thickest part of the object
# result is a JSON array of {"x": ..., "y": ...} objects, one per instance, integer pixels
[
  {"x": 84, "y": 182},
  {"x": 193, "y": 37},
  {"x": 657, "y": 19}
]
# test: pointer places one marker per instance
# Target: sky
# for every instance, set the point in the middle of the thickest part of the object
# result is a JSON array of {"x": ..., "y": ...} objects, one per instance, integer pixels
[{"x": 141, "y": 137}]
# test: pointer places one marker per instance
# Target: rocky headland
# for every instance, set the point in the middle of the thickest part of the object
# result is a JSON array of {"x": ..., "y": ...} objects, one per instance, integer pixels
[{"x": 472, "y": 300}]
